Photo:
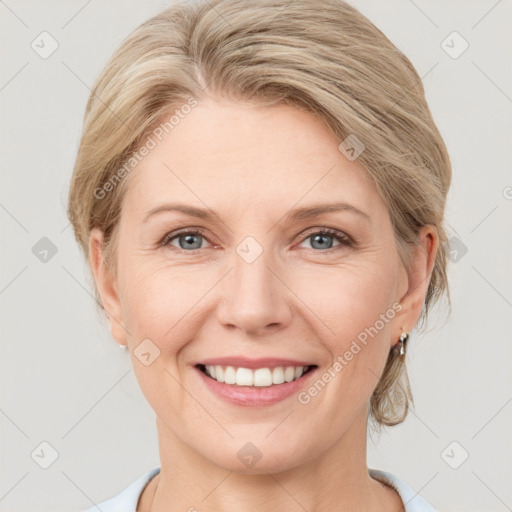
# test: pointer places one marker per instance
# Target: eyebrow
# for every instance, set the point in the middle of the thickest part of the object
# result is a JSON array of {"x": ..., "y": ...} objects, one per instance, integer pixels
[{"x": 305, "y": 212}]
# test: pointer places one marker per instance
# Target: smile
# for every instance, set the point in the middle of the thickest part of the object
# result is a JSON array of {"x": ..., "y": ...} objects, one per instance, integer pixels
[
  {"x": 258, "y": 377},
  {"x": 254, "y": 382}
]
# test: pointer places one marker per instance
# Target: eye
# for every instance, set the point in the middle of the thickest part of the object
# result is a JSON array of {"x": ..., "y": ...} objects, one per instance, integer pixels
[
  {"x": 320, "y": 238},
  {"x": 188, "y": 241}
]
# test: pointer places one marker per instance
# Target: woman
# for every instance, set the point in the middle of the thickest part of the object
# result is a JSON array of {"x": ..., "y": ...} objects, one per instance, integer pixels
[{"x": 260, "y": 191}]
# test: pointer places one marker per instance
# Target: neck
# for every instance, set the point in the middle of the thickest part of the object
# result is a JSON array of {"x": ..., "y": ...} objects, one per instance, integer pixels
[{"x": 337, "y": 479}]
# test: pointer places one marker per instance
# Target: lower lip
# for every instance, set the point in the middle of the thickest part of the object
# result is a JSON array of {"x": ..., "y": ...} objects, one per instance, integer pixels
[{"x": 249, "y": 396}]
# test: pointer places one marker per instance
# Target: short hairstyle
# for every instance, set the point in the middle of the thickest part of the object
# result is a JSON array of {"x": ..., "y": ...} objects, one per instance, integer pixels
[{"x": 320, "y": 56}]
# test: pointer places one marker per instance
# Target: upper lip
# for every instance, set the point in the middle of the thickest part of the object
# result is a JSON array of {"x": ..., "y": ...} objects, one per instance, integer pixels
[{"x": 245, "y": 362}]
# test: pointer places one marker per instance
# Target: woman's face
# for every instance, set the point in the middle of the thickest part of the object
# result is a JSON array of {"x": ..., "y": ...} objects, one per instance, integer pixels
[{"x": 260, "y": 281}]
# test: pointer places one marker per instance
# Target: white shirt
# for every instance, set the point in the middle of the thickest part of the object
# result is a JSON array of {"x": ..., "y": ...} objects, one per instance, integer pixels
[{"x": 127, "y": 500}]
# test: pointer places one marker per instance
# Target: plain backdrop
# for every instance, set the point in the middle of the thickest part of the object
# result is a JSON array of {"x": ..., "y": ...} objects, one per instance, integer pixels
[{"x": 65, "y": 382}]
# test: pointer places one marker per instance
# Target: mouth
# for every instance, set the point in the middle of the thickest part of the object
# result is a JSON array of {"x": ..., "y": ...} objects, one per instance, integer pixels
[{"x": 255, "y": 377}]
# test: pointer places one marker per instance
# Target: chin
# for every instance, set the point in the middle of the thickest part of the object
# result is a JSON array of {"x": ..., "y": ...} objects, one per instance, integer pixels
[{"x": 259, "y": 456}]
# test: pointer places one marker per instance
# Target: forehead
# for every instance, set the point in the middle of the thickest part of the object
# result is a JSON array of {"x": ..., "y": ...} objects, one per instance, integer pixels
[{"x": 249, "y": 153}]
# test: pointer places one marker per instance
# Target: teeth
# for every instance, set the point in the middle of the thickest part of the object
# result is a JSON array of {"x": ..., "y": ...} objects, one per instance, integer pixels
[
  {"x": 244, "y": 377},
  {"x": 261, "y": 377},
  {"x": 218, "y": 371},
  {"x": 278, "y": 375},
  {"x": 289, "y": 373},
  {"x": 230, "y": 375}
]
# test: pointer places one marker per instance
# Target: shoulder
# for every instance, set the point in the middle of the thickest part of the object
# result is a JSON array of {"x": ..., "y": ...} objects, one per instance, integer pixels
[
  {"x": 126, "y": 501},
  {"x": 413, "y": 502}
]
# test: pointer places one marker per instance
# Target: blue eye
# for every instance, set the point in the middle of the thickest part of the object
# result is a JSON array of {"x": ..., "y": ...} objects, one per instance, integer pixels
[
  {"x": 189, "y": 240},
  {"x": 321, "y": 237}
]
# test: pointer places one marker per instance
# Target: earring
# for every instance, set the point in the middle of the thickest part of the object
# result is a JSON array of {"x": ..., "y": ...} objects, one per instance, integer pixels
[{"x": 403, "y": 338}]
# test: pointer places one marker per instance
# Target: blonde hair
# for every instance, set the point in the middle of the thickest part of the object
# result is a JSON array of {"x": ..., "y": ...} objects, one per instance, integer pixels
[{"x": 321, "y": 56}]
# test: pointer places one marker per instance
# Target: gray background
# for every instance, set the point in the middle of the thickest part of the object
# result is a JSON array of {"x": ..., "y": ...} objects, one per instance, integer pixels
[{"x": 64, "y": 379}]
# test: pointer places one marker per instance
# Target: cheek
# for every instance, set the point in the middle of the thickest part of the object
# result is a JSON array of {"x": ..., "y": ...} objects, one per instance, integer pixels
[
  {"x": 166, "y": 303},
  {"x": 158, "y": 306},
  {"x": 350, "y": 297},
  {"x": 354, "y": 306},
  {"x": 159, "y": 300}
]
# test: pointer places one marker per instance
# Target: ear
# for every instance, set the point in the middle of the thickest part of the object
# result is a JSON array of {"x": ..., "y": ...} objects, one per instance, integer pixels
[
  {"x": 418, "y": 279},
  {"x": 106, "y": 285}
]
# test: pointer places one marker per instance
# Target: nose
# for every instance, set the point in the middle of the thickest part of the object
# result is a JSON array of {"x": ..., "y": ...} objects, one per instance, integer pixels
[{"x": 255, "y": 298}]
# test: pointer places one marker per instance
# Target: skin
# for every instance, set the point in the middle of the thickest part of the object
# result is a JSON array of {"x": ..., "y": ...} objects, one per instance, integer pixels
[{"x": 252, "y": 164}]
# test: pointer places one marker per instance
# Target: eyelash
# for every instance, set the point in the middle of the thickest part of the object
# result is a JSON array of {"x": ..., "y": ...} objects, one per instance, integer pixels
[{"x": 343, "y": 238}]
